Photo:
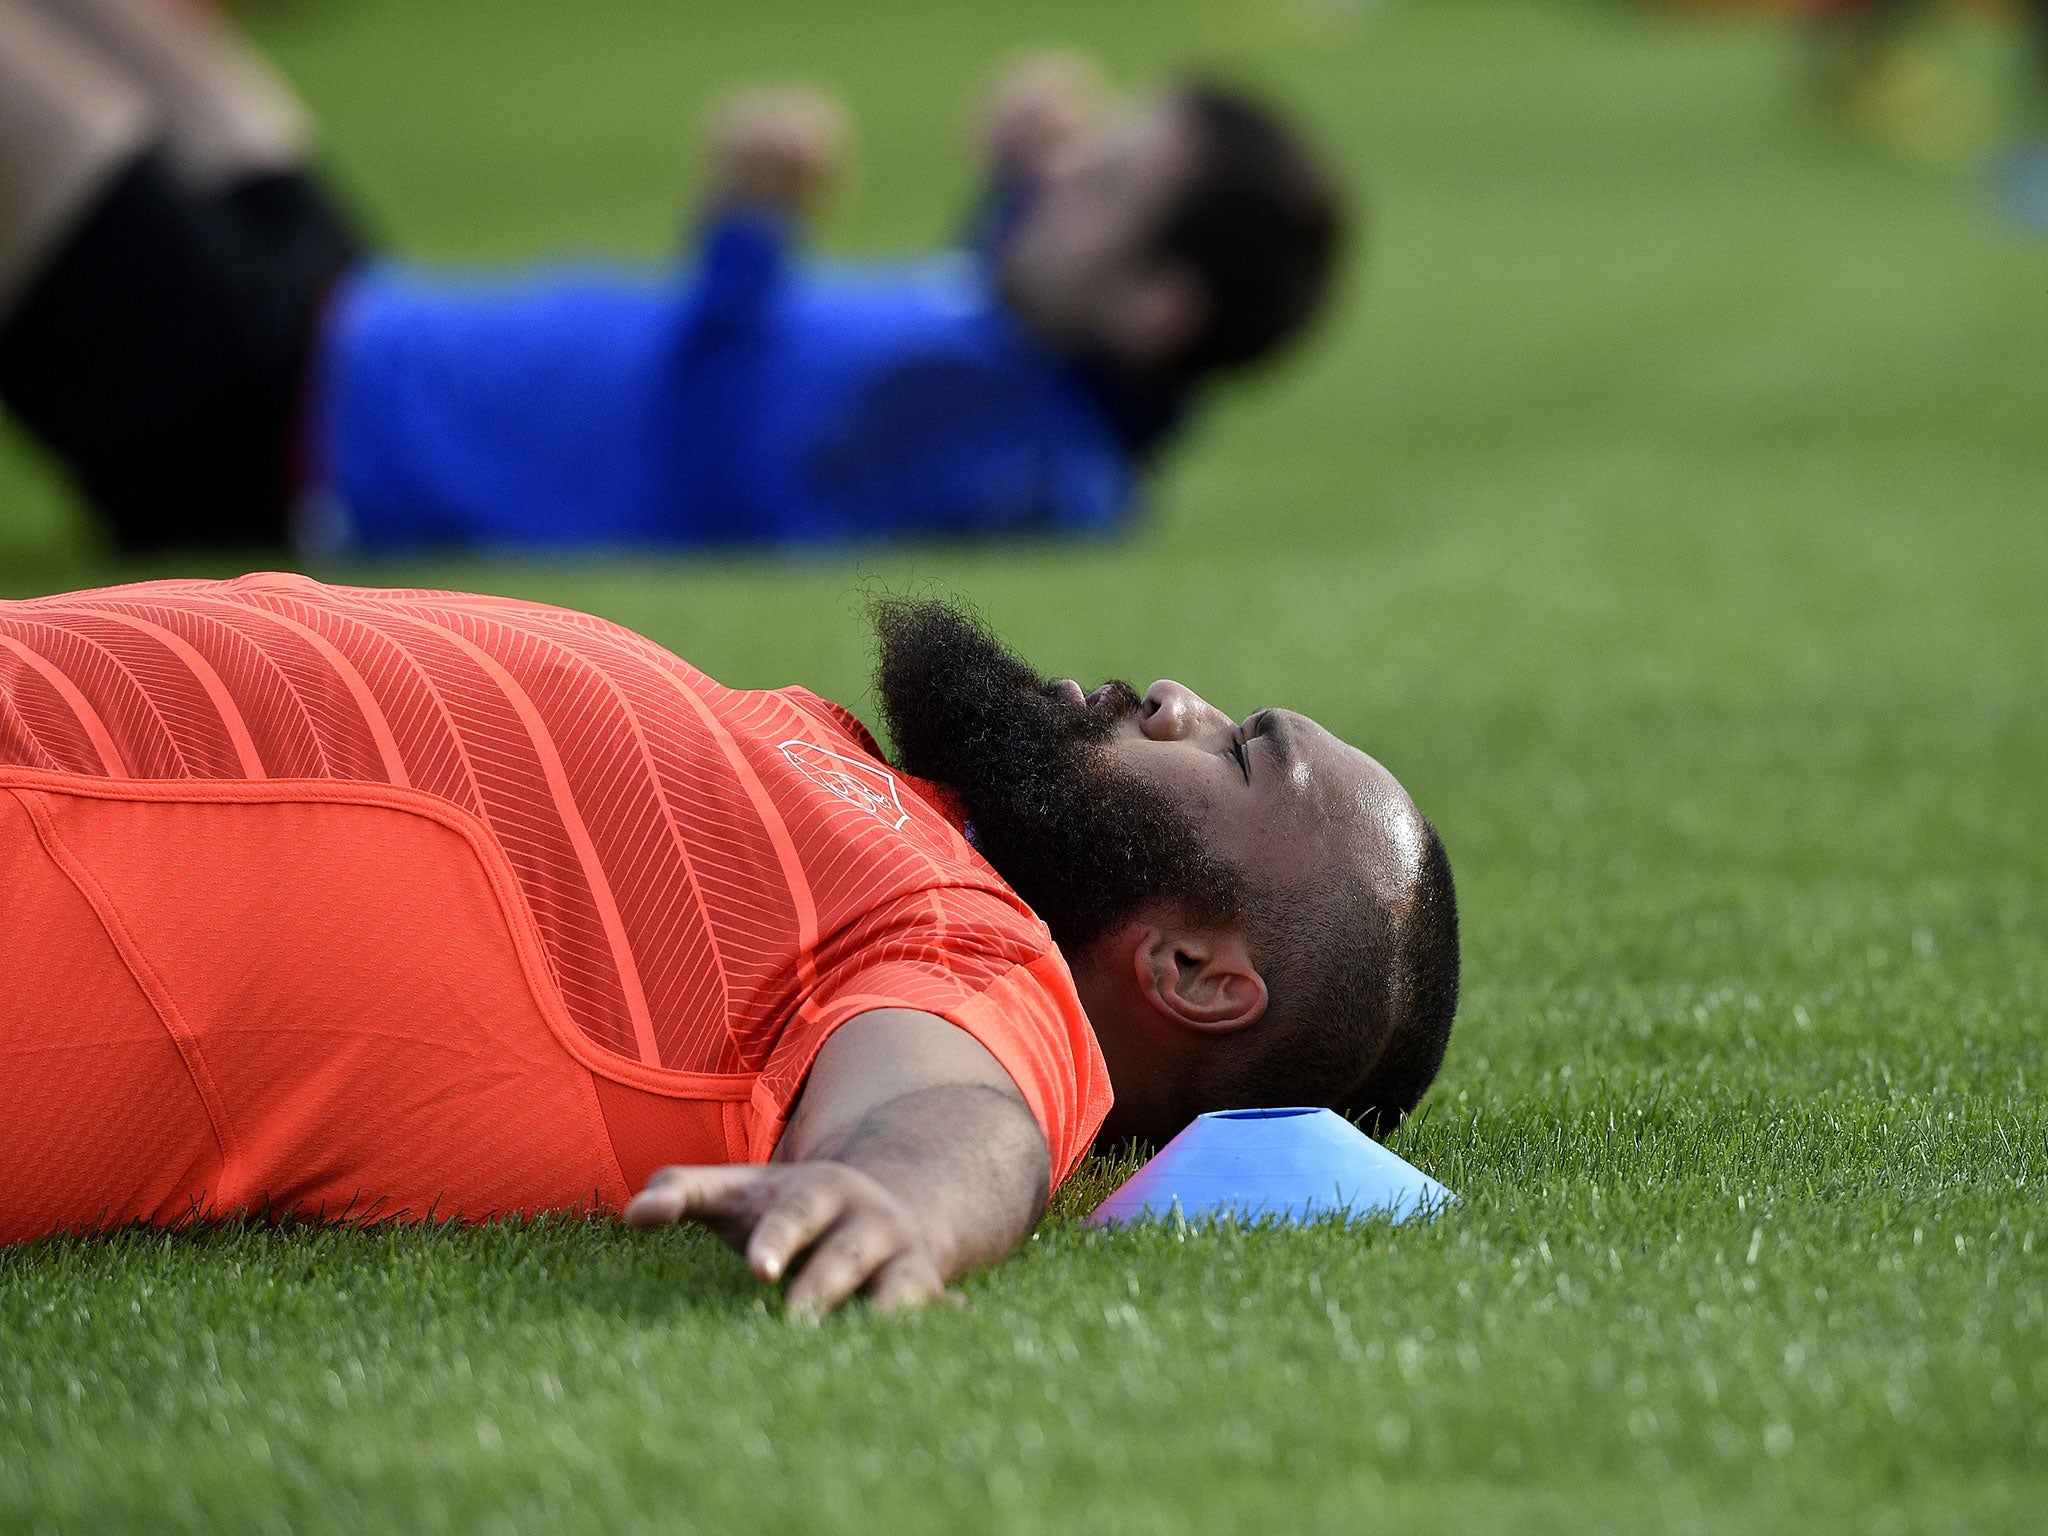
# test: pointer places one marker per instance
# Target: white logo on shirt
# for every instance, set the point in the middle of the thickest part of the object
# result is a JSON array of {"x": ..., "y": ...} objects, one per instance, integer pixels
[{"x": 855, "y": 780}]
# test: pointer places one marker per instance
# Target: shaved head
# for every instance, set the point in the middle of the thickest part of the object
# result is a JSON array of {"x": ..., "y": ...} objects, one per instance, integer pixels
[{"x": 1363, "y": 969}]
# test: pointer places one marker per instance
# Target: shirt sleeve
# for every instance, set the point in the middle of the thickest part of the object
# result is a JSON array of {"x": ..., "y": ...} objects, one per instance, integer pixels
[
  {"x": 995, "y": 216},
  {"x": 979, "y": 962},
  {"x": 744, "y": 257},
  {"x": 949, "y": 443}
]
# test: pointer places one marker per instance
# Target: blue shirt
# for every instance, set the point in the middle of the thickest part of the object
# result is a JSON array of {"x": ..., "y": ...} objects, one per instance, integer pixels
[{"x": 750, "y": 400}]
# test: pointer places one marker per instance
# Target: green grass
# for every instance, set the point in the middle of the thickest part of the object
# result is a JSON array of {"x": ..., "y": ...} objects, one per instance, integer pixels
[{"x": 1666, "y": 507}]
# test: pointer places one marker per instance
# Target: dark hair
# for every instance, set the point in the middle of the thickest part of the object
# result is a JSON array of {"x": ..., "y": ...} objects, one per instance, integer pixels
[
  {"x": 1260, "y": 223},
  {"x": 1362, "y": 995}
]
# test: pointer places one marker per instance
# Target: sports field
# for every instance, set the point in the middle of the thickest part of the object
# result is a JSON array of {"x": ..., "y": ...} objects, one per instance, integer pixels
[{"x": 1666, "y": 506}]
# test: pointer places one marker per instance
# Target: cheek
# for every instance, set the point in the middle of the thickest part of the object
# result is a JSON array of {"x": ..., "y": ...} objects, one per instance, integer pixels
[
  {"x": 1198, "y": 783},
  {"x": 1088, "y": 238},
  {"x": 1043, "y": 236}
]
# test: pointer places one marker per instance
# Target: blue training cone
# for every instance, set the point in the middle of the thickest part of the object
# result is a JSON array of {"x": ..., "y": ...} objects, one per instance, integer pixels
[{"x": 1280, "y": 1164}]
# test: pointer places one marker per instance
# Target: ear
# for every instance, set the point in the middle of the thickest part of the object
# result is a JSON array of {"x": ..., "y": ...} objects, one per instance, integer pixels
[
  {"x": 1162, "y": 314},
  {"x": 1199, "y": 978}
]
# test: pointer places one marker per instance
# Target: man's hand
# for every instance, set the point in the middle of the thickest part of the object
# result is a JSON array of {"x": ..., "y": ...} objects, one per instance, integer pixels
[
  {"x": 832, "y": 1226},
  {"x": 1038, "y": 106},
  {"x": 909, "y": 1158},
  {"x": 783, "y": 149}
]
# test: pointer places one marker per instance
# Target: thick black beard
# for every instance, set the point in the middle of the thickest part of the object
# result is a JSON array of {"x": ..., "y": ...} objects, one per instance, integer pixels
[{"x": 1087, "y": 845}]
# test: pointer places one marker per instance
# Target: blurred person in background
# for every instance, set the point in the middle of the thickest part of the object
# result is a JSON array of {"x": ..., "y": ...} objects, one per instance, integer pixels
[
  {"x": 193, "y": 326},
  {"x": 1877, "y": 75}
]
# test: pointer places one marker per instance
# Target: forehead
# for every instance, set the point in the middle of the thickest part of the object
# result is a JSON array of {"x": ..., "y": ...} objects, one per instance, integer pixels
[{"x": 1358, "y": 806}]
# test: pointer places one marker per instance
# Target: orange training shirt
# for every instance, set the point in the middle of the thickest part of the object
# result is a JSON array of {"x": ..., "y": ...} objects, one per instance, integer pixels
[{"x": 403, "y": 904}]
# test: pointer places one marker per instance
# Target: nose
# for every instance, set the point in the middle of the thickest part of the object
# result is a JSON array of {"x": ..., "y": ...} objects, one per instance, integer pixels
[{"x": 1173, "y": 712}]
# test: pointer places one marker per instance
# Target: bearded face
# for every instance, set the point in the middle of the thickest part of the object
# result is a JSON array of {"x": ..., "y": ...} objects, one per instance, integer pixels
[{"x": 1086, "y": 844}]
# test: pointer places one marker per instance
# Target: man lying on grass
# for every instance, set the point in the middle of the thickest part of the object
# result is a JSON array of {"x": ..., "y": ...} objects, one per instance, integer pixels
[
  {"x": 389, "y": 905},
  {"x": 191, "y": 324}
]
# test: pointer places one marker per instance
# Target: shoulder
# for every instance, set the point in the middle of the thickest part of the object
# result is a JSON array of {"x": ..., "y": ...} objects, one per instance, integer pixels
[
  {"x": 835, "y": 717},
  {"x": 977, "y": 958}
]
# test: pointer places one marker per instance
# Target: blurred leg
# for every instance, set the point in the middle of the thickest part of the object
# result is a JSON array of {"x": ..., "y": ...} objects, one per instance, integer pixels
[
  {"x": 163, "y": 257},
  {"x": 69, "y": 123},
  {"x": 163, "y": 348},
  {"x": 225, "y": 113}
]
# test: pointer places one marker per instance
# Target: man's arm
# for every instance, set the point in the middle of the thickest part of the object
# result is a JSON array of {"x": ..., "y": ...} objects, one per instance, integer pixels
[
  {"x": 910, "y": 1159},
  {"x": 772, "y": 159}
]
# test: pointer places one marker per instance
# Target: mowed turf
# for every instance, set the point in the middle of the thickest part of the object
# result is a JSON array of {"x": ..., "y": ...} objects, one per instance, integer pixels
[{"x": 1665, "y": 506}]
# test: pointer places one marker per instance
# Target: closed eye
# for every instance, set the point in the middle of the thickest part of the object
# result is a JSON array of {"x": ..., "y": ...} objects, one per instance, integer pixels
[
  {"x": 1254, "y": 728},
  {"x": 1277, "y": 730}
]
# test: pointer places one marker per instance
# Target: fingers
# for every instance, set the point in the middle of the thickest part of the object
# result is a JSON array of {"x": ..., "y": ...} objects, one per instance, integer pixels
[
  {"x": 1039, "y": 102},
  {"x": 714, "y": 1196},
  {"x": 783, "y": 147},
  {"x": 799, "y": 109},
  {"x": 771, "y": 1214},
  {"x": 909, "y": 1280},
  {"x": 832, "y": 1228},
  {"x": 844, "y": 1262},
  {"x": 1061, "y": 79},
  {"x": 808, "y": 1210}
]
